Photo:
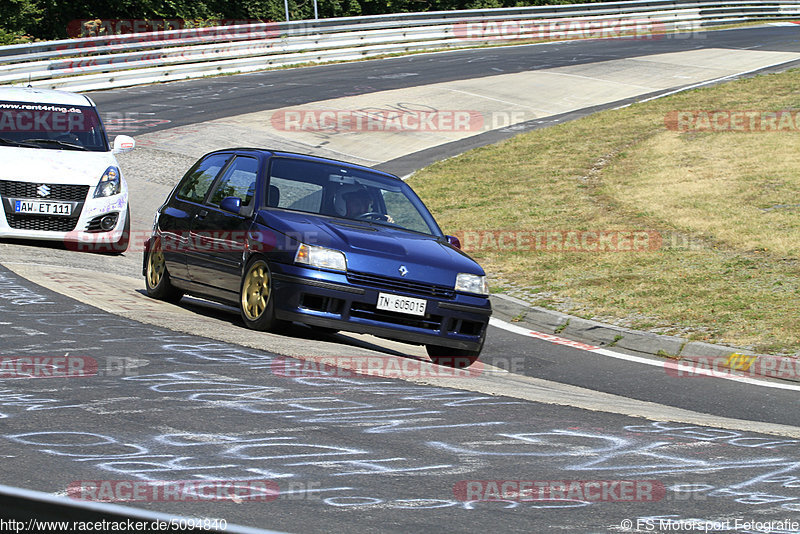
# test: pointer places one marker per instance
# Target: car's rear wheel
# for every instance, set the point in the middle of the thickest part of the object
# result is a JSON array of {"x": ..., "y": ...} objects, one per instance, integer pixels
[
  {"x": 156, "y": 276},
  {"x": 457, "y": 358},
  {"x": 256, "y": 299}
]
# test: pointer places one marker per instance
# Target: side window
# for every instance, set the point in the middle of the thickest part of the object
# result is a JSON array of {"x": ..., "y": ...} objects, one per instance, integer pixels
[
  {"x": 239, "y": 180},
  {"x": 198, "y": 181},
  {"x": 294, "y": 195}
]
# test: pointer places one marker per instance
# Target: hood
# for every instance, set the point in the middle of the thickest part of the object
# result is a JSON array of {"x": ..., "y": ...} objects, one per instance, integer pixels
[
  {"x": 377, "y": 249},
  {"x": 52, "y": 166}
]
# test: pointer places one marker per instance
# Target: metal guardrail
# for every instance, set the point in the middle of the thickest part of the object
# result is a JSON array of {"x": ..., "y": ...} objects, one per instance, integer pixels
[{"x": 124, "y": 60}]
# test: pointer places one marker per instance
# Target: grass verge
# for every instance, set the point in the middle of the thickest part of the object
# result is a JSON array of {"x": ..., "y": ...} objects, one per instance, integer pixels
[{"x": 722, "y": 209}]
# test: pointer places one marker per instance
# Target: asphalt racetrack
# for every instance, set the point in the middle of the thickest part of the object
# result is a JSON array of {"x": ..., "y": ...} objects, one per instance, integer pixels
[{"x": 186, "y": 393}]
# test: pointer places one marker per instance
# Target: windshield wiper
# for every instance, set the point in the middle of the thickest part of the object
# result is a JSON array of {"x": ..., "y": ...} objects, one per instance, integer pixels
[
  {"x": 72, "y": 146},
  {"x": 9, "y": 142}
]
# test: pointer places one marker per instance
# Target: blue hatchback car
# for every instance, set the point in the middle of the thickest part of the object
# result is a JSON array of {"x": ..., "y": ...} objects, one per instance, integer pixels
[{"x": 289, "y": 237}]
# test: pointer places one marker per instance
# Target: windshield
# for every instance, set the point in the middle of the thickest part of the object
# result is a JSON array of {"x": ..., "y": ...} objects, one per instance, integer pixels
[
  {"x": 51, "y": 126},
  {"x": 348, "y": 193}
]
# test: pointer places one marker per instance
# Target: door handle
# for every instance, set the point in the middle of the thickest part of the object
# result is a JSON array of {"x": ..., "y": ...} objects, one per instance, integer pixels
[{"x": 202, "y": 214}]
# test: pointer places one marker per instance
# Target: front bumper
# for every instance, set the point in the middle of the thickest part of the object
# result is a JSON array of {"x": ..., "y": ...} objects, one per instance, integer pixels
[
  {"x": 329, "y": 300},
  {"x": 82, "y": 226}
]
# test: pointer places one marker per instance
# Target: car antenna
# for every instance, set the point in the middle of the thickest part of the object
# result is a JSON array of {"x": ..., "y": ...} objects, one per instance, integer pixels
[{"x": 29, "y": 81}]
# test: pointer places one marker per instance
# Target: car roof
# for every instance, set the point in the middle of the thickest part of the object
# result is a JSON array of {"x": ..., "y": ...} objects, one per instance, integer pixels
[
  {"x": 37, "y": 95},
  {"x": 306, "y": 157}
]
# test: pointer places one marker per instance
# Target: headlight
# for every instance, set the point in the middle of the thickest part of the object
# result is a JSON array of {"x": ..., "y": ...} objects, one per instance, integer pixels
[
  {"x": 109, "y": 184},
  {"x": 472, "y": 283},
  {"x": 321, "y": 257}
]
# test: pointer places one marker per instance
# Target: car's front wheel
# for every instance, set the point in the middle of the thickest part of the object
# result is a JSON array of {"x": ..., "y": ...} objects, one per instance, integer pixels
[
  {"x": 256, "y": 299},
  {"x": 156, "y": 276},
  {"x": 458, "y": 358}
]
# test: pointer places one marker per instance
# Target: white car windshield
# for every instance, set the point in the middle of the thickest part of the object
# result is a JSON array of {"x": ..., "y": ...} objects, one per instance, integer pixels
[{"x": 51, "y": 126}]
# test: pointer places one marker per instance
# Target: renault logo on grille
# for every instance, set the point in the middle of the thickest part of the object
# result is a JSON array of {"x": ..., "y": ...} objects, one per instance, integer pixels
[
  {"x": 43, "y": 190},
  {"x": 403, "y": 270}
]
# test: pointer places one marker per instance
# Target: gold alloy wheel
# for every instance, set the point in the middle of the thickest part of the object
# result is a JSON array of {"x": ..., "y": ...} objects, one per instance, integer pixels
[
  {"x": 255, "y": 291},
  {"x": 155, "y": 266}
]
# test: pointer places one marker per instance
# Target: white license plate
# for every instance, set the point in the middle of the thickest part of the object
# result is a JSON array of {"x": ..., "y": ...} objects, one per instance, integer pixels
[
  {"x": 42, "y": 208},
  {"x": 400, "y": 304}
]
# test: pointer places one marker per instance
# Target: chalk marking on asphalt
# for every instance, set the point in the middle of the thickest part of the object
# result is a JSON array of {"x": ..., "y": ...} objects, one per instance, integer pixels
[{"x": 489, "y": 382}]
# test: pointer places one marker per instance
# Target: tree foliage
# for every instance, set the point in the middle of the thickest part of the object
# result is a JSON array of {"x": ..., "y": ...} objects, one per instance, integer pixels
[{"x": 49, "y": 19}]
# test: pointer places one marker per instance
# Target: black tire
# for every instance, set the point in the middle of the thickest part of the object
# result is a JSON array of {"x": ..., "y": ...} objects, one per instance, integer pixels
[
  {"x": 256, "y": 302},
  {"x": 156, "y": 278},
  {"x": 448, "y": 357}
]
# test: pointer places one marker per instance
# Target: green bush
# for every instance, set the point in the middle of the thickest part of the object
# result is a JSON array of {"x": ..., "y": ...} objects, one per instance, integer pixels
[
  {"x": 48, "y": 19},
  {"x": 10, "y": 38}
]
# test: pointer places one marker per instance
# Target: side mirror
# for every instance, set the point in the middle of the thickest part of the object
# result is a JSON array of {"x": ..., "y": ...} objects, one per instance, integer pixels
[
  {"x": 122, "y": 144},
  {"x": 231, "y": 204},
  {"x": 454, "y": 241}
]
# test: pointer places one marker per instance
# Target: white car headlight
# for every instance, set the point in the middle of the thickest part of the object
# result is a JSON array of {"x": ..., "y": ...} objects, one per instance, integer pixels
[
  {"x": 109, "y": 183},
  {"x": 321, "y": 257},
  {"x": 472, "y": 283}
]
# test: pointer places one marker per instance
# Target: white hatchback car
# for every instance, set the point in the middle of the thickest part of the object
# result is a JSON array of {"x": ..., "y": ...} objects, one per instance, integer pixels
[{"x": 59, "y": 179}]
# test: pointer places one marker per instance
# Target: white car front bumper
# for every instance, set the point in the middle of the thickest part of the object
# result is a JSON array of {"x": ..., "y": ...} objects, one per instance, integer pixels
[{"x": 85, "y": 228}]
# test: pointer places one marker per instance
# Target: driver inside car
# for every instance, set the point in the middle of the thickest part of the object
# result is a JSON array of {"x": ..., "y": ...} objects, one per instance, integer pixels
[
  {"x": 354, "y": 202},
  {"x": 357, "y": 203}
]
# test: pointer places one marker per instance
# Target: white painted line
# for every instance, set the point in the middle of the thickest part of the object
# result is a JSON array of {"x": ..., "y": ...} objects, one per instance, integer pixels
[
  {"x": 701, "y": 84},
  {"x": 642, "y": 87},
  {"x": 550, "y": 338},
  {"x": 484, "y": 97}
]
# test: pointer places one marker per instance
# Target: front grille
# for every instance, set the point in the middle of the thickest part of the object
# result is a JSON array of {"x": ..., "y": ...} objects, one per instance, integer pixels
[
  {"x": 397, "y": 284},
  {"x": 47, "y": 223},
  {"x": 64, "y": 192},
  {"x": 370, "y": 311}
]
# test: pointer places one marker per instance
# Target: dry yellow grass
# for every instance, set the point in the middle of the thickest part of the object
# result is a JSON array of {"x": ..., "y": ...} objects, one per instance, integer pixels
[{"x": 726, "y": 203}]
